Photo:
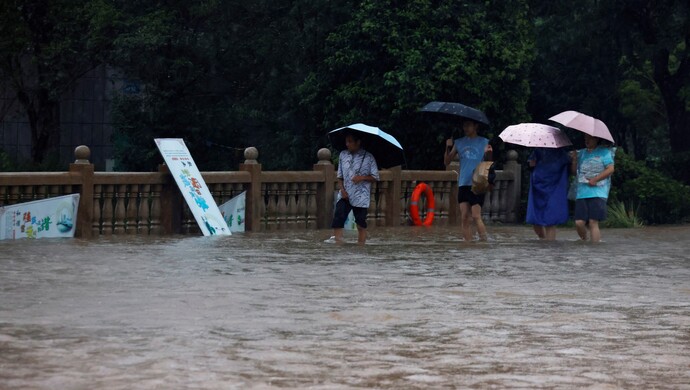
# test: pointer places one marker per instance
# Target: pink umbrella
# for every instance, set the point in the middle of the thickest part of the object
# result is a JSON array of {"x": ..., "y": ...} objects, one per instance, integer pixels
[
  {"x": 535, "y": 135},
  {"x": 583, "y": 123}
]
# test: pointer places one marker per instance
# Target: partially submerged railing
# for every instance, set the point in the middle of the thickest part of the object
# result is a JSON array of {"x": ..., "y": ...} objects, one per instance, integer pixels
[{"x": 151, "y": 204}]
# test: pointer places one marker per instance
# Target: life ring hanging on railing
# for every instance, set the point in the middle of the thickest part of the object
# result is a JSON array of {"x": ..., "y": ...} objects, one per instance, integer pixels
[{"x": 414, "y": 205}]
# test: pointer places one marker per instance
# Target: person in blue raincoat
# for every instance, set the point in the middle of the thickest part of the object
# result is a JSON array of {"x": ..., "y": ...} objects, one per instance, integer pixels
[{"x": 547, "y": 204}]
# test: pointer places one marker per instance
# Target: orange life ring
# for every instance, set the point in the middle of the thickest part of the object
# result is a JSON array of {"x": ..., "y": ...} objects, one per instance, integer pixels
[{"x": 430, "y": 204}]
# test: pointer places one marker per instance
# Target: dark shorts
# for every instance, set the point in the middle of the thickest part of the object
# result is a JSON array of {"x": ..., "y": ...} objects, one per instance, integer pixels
[
  {"x": 590, "y": 208},
  {"x": 342, "y": 209},
  {"x": 465, "y": 194}
]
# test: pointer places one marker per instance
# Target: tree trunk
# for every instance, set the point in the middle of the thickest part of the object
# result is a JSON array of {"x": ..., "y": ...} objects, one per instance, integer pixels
[
  {"x": 670, "y": 87},
  {"x": 679, "y": 129},
  {"x": 43, "y": 114}
]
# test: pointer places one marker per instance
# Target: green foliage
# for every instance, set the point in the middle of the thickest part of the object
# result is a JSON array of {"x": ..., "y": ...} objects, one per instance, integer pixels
[
  {"x": 224, "y": 74},
  {"x": 660, "y": 198},
  {"x": 50, "y": 163},
  {"x": 574, "y": 70},
  {"x": 391, "y": 58},
  {"x": 628, "y": 73},
  {"x": 5, "y": 162},
  {"x": 621, "y": 217},
  {"x": 46, "y": 46},
  {"x": 669, "y": 164},
  {"x": 654, "y": 36}
]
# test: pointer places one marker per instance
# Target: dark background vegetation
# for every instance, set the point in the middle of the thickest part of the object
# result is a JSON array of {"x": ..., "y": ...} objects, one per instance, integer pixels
[{"x": 280, "y": 74}]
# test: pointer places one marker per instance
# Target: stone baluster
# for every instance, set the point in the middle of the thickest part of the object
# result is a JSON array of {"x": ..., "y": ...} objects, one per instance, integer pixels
[
  {"x": 279, "y": 200},
  {"x": 447, "y": 200},
  {"x": 14, "y": 195},
  {"x": 155, "y": 212},
  {"x": 292, "y": 218},
  {"x": 144, "y": 225},
  {"x": 380, "y": 203},
  {"x": 495, "y": 203},
  {"x": 132, "y": 227},
  {"x": 502, "y": 201},
  {"x": 96, "y": 219},
  {"x": 119, "y": 212},
  {"x": 215, "y": 192},
  {"x": 189, "y": 222},
  {"x": 324, "y": 191},
  {"x": 513, "y": 189},
  {"x": 41, "y": 192},
  {"x": 312, "y": 211},
  {"x": 108, "y": 195},
  {"x": 54, "y": 191},
  {"x": 228, "y": 192}
]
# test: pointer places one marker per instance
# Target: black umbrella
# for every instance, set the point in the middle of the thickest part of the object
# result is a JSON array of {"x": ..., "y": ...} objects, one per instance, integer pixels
[
  {"x": 385, "y": 148},
  {"x": 457, "y": 109}
]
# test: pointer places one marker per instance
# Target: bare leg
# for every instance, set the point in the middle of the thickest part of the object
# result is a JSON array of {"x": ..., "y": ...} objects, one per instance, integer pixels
[
  {"x": 361, "y": 235},
  {"x": 581, "y": 229},
  {"x": 539, "y": 230},
  {"x": 550, "y": 233},
  {"x": 466, "y": 221},
  {"x": 477, "y": 218},
  {"x": 594, "y": 230},
  {"x": 338, "y": 234}
]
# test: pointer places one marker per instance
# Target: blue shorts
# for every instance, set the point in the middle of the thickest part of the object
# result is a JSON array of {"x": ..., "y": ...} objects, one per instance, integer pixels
[
  {"x": 590, "y": 208},
  {"x": 342, "y": 209},
  {"x": 465, "y": 195}
]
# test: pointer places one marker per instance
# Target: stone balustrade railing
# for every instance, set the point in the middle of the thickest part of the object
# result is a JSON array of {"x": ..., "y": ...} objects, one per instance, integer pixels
[{"x": 151, "y": 203}]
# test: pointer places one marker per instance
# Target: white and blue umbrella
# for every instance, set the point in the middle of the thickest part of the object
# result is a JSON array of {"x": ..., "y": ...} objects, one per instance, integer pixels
[{"x": 386, "y": 149}]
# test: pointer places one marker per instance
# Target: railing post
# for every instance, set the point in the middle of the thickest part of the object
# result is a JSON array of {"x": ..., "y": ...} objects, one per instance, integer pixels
[
  {"x": 514, "y": 187},
  {"x": 393, "y": 202},
  {"x": 252, "y": 211},
  {"x": 170, "y": 204},
  {"x": 324, "y": 191},
  {"x": 453, "y": 208},
  {"x": 85, "y": 170}
]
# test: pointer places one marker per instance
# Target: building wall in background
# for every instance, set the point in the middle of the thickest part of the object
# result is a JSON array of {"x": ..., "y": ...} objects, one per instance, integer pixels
[{"x": 84, "y": 119}]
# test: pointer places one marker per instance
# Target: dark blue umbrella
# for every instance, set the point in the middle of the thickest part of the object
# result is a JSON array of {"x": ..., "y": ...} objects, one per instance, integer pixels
[{"x": 457, "y": 109}]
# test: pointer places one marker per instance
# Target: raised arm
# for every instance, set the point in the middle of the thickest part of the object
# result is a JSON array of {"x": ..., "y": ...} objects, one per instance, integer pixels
[{"x": 450, "y": 152}]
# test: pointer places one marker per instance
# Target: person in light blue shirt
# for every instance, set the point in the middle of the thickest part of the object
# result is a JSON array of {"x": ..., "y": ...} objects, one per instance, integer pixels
[
  {"x": 471, "y": 149},
  {"x": 593, "y": 167}
]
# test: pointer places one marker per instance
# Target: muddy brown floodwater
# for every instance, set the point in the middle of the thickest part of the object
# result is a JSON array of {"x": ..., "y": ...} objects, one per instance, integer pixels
[{"x": 414, "y": 308}]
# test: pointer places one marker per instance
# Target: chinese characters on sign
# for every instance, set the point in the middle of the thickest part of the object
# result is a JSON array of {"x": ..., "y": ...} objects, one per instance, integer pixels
[
  {"x": 192, "y": 186},
  {"x": 233, "y": 212},
  {"x": 52, "y": 217}
]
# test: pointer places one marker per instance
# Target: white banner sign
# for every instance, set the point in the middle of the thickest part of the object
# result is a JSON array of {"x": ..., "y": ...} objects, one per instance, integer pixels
[
  {"x": 45, "y": 218},
  {"x": 192, "y": 185},
  {"x": 233, "y": 212}
]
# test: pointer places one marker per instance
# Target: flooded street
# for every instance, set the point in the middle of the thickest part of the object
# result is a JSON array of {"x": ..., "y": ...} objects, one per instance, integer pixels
[{"x": 414, "y": 308}]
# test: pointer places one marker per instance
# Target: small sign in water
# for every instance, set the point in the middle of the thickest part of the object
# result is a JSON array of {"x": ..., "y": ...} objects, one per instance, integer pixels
[{"x": 45, "y": 218}]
